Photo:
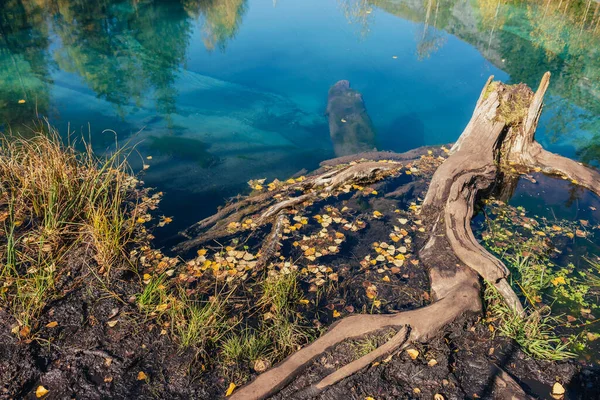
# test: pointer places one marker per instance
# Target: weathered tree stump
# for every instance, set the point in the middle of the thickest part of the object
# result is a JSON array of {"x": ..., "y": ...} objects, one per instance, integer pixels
[{"x": 498, "y": 139}]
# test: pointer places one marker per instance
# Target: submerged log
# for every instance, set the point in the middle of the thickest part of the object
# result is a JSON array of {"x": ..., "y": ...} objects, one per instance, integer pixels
[
  {"x": 498, "y": 139},
  {"x": 350, "y": 126}
]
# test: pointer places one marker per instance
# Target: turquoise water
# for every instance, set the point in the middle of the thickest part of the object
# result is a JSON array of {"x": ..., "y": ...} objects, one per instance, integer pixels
[{"x": 218, "y": 92}]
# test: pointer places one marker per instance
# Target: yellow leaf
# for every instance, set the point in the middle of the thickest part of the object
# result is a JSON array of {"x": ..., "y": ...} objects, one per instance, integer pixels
[
  {"x": 413, "y": 353},
  {"x": 147, "y": 277},
  {"x": 559, "y": 280},
  {"x": 558, "y": 390},
  {"x": 112, "y": 323},
  {"x": 41, "y": 391},
  {"x": 369, "y": 398},
  {"x": 230, "y": 389},
  {"x": 52, "y": 324},
  {"x": 385, "y": 278},
  {"x": 303, "y": 301},
  {"x": 377, "y": 303},
  {"x": 374, "y": 192},
  {"x": 201, "y": 252},
  {"x": 141, "y": 376},
  {"x": 432, "y": 362},
  {"x": 371, "y": 291},
  {"x": 336, "y": 314},
  {"x": 21, "y": 102},
  {"x": 162, "y": 307},
  {"x": 377, "y": 214}
]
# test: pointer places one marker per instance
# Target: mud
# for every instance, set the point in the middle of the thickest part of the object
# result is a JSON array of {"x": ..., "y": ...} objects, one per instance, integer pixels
[{"x": 102, "y": 342}]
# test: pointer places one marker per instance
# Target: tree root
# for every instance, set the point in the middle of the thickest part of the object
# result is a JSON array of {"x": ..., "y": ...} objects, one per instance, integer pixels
[
  {"x": 262, "y": 207},
  {"x": 387, "y": 348},
  {"x": 500, "y": 134}
]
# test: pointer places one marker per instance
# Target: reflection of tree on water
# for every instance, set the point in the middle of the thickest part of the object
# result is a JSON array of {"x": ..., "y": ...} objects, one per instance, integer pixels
[
  {"x": 221, "y": 19},
  {"x": 430, "y": 40},
  {"x": 126, "y": 51},
  {"x": 357, "y": 12},
  {"x": 525, "y": 38},
  {"x": 24, "y": 60}
]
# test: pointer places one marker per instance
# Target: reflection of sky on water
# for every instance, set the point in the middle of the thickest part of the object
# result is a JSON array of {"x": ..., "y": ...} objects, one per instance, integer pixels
[{"x": 244, "y": 83}]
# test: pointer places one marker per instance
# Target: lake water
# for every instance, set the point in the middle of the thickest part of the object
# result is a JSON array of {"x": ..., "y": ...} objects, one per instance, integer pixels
[{"x": 218, "y": 92}]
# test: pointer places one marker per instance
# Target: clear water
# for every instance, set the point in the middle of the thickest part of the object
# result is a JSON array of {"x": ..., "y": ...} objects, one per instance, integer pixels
[{"x": 222, "y": 91}]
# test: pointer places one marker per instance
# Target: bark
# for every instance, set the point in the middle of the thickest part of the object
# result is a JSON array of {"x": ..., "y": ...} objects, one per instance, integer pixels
[{"x": 498, "y": 139}]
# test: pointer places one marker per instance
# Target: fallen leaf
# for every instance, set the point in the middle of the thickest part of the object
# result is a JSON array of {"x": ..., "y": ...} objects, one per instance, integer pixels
[
  {"x": 162, "y": 307},
  {"x": 52, "y": 324},
  {"x": 21, "y": 102},
  {"x": 559, "y": 280},
  {"x": 41, "y": 391},
  {"x": 558, "y": 391},
  {"x": 24, "y": 332},
  {"x": 371, "y": 291},
  {"x": 432, "y": 362},
  {"x": 112, "y": 323},
  {"x": 438, "y": 396},
  {"x": 260, "y": 366},
  {"x": 141, "y": 376},
  {"x": 336, "y": 314},
  {"x": 413, "y": 353},
  {"x": 230, "y": 389}
]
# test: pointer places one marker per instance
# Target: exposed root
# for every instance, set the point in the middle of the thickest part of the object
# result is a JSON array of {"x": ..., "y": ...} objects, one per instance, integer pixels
[
  {"x": 495, "y": 137},
  {"x": 263, "y": 207},
  {"x": 424, "y": 323},
  {"x": 271, "y": 244},
  {"x": 387, "y": 348}
]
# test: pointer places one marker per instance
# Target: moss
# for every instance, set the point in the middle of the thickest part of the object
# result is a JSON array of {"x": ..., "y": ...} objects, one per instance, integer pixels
[
  {"x": 490, "y": 88},
  {"x": 514, "y": 108}
]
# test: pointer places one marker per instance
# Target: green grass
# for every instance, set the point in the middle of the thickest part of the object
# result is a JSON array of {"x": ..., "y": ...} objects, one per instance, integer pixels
[
  {"x": 246, "y": 346},
  {"x": 534, "y": 333},
  {"x": 197, "y": 323},
  {"x": 53, "y": 200}
]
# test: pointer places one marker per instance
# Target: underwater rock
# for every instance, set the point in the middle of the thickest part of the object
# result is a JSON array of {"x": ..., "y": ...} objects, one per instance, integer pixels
[{"x": 350, "y": 127}]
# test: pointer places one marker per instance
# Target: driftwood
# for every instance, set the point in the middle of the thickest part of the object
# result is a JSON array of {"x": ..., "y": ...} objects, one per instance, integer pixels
[{"x": 499, "y": 138}]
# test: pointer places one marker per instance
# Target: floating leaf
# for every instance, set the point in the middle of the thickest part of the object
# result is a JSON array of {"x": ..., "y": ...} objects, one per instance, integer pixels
[{"x": 559, "y": 280}]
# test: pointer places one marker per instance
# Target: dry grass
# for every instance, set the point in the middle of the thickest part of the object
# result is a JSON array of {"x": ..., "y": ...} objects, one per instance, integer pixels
[{"x": 55, "y": 201}]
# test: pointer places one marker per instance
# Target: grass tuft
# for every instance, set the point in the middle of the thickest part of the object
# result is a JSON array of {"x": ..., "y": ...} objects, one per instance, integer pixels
[{"x": 54, "y": 201}]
